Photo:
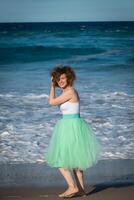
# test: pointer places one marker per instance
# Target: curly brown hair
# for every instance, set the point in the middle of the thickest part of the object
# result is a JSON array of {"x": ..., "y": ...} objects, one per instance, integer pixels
[{"x": 63, "y": 69}]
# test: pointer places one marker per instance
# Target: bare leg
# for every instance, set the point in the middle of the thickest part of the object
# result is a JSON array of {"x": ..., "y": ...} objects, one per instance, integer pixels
[
  {"x": 72, "y": 187},
  {"x": 78, "y": 174}
]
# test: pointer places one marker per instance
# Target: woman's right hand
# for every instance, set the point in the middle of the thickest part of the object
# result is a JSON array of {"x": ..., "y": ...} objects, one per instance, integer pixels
[{"x": 52, "y": 83}]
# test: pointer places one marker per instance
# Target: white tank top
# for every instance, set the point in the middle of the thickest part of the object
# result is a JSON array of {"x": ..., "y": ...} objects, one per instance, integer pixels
[{"x": 70, "y": 107}]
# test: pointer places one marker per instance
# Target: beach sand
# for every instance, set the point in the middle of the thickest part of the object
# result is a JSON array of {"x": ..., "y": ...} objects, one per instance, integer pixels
[
  {"x": 108, "y": 180},
  {"x": 118, "y": 191}
]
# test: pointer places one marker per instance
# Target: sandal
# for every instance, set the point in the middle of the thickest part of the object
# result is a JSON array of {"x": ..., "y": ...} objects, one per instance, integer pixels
[
  {"x": 70, "y": 195},
  {"x": 81, "y": 194}
]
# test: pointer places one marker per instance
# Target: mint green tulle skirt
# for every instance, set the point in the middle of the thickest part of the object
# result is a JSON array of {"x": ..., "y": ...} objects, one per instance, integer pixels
[{"x": 72, "y": 144}]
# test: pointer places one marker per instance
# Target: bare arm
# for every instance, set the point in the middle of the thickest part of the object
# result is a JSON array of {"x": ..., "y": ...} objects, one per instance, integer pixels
[{"x": 60, "y": 99}]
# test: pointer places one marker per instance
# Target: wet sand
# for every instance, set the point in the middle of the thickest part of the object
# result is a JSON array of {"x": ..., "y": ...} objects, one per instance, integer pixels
[
  {"x": 108, "y": 180},
  {"x": 120, "y": 191}
]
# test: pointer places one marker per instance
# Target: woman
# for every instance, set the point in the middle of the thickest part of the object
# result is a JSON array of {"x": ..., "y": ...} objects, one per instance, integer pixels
[{"x": 73, "y": 146}]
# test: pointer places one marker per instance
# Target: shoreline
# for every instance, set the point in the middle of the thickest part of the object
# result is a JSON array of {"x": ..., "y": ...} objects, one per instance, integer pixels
[{"x": 40, "y": 174}]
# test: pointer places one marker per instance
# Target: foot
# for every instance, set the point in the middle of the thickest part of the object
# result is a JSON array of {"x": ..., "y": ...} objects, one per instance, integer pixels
[{"x": 69, "y": 192}]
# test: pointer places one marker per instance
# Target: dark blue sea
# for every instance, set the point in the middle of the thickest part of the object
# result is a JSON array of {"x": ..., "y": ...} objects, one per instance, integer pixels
[{"x": 102, "y": 55}]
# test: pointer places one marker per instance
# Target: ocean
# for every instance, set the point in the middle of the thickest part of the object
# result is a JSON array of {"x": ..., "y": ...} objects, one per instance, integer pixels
[{"x": 102, "y": 55}]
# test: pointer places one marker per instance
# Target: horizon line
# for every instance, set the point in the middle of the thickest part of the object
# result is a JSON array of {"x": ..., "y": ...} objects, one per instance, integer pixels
[{"x": 68, "y": 21}]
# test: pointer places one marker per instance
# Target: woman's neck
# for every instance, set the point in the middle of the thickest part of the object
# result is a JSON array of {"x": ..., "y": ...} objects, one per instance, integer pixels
[{"x": 67, "y": 88}]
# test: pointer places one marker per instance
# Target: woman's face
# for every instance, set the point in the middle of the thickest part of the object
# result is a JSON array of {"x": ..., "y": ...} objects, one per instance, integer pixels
[{"x": 62, "y": 82}]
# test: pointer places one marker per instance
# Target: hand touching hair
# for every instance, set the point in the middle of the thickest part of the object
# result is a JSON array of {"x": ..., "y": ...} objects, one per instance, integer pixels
[{"x": 62, "y": 69}]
